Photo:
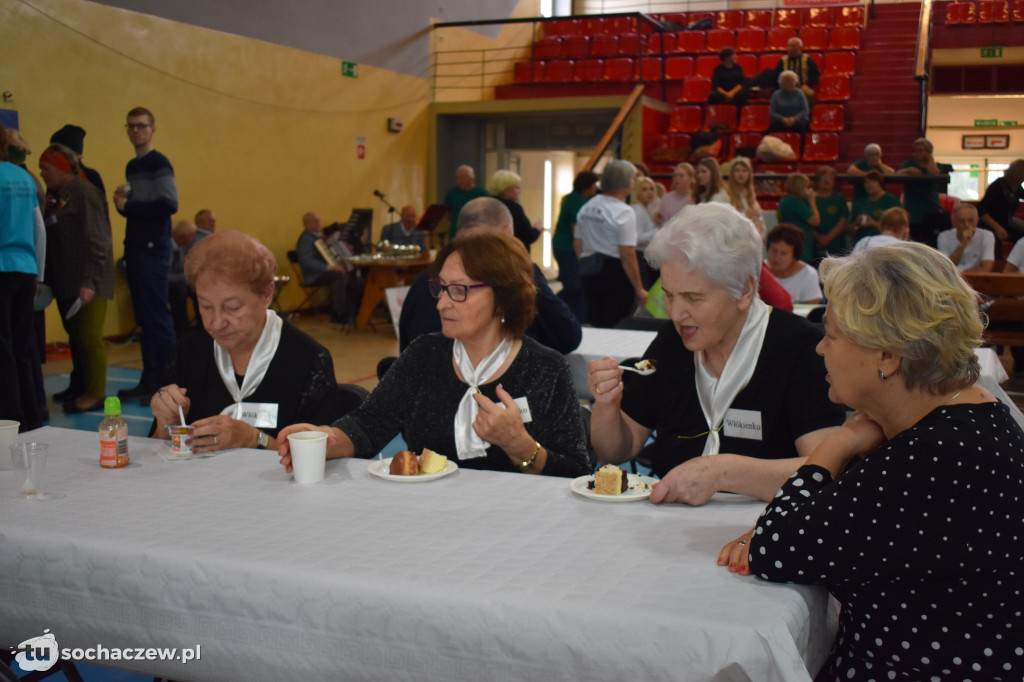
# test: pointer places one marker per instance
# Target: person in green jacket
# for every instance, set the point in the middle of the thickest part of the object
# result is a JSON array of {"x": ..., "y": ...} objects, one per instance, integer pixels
[{"x": 583, "y": 187}]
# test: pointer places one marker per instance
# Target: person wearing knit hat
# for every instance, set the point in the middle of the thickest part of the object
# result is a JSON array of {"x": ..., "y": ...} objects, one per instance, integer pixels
[
  {"x": 73, "y": 137},
  {"x": 80, "y": 270}
]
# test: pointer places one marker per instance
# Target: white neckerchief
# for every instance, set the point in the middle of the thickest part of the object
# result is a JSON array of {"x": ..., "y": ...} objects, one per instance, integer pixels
[
  {"x": 468, "y": 444},
  {"x": 717, "y": 393},
  {"x": 262, "y": 354}
]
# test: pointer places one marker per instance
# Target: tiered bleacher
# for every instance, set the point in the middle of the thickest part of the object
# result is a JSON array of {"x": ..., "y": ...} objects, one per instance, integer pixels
[{"x": 674, "y": 56}]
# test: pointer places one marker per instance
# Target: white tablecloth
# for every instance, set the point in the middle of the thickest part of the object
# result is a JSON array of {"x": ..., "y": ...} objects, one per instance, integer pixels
[{"x": 480, "y": 575}]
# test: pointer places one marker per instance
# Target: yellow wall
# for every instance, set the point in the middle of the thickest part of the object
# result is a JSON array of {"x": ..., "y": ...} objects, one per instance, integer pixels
[{"x": 257, "y": 132}]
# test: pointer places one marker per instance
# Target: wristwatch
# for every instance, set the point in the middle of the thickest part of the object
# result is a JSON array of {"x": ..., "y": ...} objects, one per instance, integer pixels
[{"x": 262, "y": 441}]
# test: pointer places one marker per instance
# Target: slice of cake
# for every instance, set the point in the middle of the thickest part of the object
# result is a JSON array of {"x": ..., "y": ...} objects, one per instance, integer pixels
[
  {"x": 644, "y": 365},
  {"x": 610, "y": 480},
  {"x": 404, "y": 464},
  {"x": 431, "y": 462}
]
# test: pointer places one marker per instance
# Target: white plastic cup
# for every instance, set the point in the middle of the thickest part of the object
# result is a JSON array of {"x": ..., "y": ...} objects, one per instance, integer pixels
[
  {"x": 309, "y": 455},
  {"x": 181, "y": 438},
  {"x": 8, "y": 437}
]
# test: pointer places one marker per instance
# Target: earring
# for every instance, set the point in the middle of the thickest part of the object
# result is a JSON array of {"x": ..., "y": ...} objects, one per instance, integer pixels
[
  {"x": 881, "y": 375},
  {"x": 503, "y": 319}
]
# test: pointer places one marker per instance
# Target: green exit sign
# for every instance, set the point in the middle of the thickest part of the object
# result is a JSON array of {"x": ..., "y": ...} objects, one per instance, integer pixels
[
  {"x": 1007, "y": 123},
  {"x": 984, "y": 122},
  {"x": 991, "y": 52},
  {"x": 350, "y": 69}
]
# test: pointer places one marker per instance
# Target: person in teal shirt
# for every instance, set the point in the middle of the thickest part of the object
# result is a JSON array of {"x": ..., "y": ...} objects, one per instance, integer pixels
[
  {"x": 465, "y": 190},
  {"x": 872, "y": 161},
  {"x": 868, "y": 211},
  {"x": 799, "y": 207},
  {"x": 830, "y": 238},
  {"x": 583, "y": 187},
  {"x": 921, "y": 199}
]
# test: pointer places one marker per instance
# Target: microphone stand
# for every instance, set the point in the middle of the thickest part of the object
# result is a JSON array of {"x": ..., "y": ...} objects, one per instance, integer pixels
[{"x": 391, "y": 209}]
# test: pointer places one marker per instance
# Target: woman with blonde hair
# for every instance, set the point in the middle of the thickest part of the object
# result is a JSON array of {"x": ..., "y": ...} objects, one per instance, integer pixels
[
  {"x": 799, "y": 207},
  {"x": 912, "y": 509},
  {"x": 680, "y": 195},
  {"x": 507, "y": 187},
  {"x": 742, "y": 195}
]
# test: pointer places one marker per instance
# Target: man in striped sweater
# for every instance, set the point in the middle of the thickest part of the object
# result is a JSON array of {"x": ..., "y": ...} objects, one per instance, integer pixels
[{"x": 148, "y": 201}]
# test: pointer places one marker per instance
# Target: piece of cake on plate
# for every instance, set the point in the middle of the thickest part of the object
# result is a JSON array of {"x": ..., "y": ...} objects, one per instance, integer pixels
[
  {"x": 610, "y": 480},
  {"x": 431, "y": 462}
]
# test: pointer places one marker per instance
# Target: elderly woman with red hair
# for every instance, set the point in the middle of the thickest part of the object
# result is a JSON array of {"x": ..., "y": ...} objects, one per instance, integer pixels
[
  {"x": 247, "y": 372},
  {"x": 80, "y": 270}
]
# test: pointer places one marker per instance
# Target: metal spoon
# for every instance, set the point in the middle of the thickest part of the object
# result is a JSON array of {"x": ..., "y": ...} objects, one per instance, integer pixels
[{"x": 641, "y": 372}]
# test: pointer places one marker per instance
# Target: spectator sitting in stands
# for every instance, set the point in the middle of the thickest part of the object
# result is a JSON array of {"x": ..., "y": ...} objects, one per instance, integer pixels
[
  {"x": 867, "y": 211},
  {"x": 921, "y": 199},
  {"x": 554, "y": 326},
  {"x": 788, "y": 106},
  {"x": 1000, "y": 202},
  {"x": 728, "y": 82},
  {"x": 317, "y": 272},
  {"x": 872, "y": 161},
  {"x": 970, "y": 249},
  {"x": 894, "y": 224},
  {"x": 404, "y": 232},
  {"x": 805, "y": 68}
]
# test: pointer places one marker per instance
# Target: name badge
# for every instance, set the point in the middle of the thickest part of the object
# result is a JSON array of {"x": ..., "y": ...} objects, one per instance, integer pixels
[
  {"x": 743, "y": 424},
  {"x": 260, "y": 415},
  {"x": 524, "y": 409}
]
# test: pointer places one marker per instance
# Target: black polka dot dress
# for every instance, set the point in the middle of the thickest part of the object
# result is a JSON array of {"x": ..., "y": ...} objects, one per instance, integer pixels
[{"x": 922, "y": 542}]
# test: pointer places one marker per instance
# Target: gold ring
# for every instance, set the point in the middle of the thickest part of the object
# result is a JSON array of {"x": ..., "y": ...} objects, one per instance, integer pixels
[{"x": 597, "y": 390}]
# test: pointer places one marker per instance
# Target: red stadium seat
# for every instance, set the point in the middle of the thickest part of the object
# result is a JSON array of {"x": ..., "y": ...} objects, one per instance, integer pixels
[
  {"x": 840, "y": 63},
  {"x": 960, "y": 13},
  {"x": 592, "y": 26},
  {"x": 754, "y": 117},
  {"x": 678, "y": 18},
  {"x": 851, "y": 15},
  {"x": 833, "y": 88},
  {"x": 789, "y": 18},
  {"x": 685, "y": 119},
  {"x": 695, "y": 89},
  {"x": 993, "y": 12},
  {"x": 576, "y": 47},
  {"x": 814, "y": 38},
  {"x": 651, "y": 69},
  {"x": 769, "y": 61},
  {"x": 631, "y": 44},
  {"x": 548, "y": 48},
  {"x": 745, "y": 141},
  {"x": 792, "y": 139},
  {"x": 722, "y": 115},
  {"x": 673, "y": 146},
  {"x": 1018, "y": 11},
  {"x": 678, "y": 68},
  {"x": 620, "y": 25},
  {"x": 524, "y": 72},
  {"x": 820, "y": 17},
  {"x": 561, "y": 27},
  {"x": 748, "y": 63},
  {"x": 758, "y": 18},
  {"x": 557, "y": 71},
  {"x": 694, "y": 17},
  {"x": 661, "y": 43},
  {"x": 844, "y": 39},
  {"x": 778, "y": 39},
  {"x": 603, "y": 45},
  {"x": 821, "y": 147},
  {"x": 729, "y": 20},
  {"x": 690, "y": 42},
  {"x": 827, "y": 117},
  {"x": 620, "y": 69},
  {"x": 719, "y": 38},
  {"x": 706, "y": 66},
  {"x": 589, "y": 70},
  {"x": 749, "y": 40}
]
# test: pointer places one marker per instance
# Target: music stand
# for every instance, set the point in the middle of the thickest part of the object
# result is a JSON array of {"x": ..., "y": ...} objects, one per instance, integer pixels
[{"x": 432, "y": 217}]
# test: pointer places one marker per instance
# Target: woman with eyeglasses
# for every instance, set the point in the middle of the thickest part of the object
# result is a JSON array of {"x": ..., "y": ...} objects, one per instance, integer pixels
[{"x": 480, "y": 393}]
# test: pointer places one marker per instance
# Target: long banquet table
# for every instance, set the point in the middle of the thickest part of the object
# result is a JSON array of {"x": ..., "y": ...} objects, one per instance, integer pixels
[{"x": 480, "y": 575}]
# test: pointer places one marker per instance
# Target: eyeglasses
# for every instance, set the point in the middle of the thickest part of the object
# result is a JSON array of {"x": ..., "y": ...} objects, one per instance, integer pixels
[
  {"x": 456, "y": 292},
  {"x": 136, "y": 126}
]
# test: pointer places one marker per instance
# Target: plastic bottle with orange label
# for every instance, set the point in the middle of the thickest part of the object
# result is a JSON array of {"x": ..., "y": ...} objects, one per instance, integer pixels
[{"x": 113, "y": 436}]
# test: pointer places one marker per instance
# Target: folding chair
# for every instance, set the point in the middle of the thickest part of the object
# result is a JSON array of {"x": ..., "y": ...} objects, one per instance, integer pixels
[{"x": 309, "y": 290}]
